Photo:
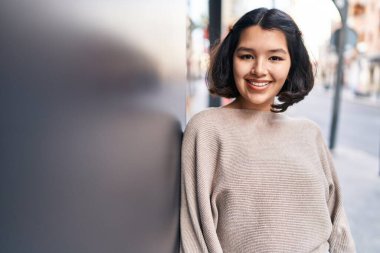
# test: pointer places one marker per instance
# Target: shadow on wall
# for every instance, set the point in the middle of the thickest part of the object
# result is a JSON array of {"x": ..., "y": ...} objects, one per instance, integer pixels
[{"x": 85, "y": 167}]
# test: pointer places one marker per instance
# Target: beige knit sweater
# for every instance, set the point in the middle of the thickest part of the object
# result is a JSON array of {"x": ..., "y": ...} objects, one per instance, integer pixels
[{"x": 259, "y": 182}]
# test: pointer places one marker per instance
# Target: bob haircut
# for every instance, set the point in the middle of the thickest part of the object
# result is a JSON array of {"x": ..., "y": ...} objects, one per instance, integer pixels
[{"x": 300, "y": 80}]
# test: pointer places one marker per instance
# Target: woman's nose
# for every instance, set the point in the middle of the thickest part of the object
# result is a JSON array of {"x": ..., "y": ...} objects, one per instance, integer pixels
[{"x": 259, "y": 68}]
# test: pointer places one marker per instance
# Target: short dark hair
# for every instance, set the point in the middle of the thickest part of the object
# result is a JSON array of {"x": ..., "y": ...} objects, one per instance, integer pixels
[{"x": 300, "y": 81}]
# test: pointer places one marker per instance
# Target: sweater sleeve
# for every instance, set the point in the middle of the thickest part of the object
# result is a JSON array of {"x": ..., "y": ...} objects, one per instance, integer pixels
[
  {"x": 198, "y": 231},
  {"x": 340, "y": 240}
]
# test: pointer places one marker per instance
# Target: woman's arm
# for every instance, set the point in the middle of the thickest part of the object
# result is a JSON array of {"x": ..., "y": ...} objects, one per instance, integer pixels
[
  {"x": 199, "y": 154},
  {"x": 340, "y": 240}
]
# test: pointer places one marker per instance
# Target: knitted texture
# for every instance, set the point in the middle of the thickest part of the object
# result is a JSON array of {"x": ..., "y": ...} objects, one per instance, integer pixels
[{"x": 261, "y": 182}]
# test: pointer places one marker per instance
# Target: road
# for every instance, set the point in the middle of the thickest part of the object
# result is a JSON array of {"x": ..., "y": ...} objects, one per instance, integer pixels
[{"x": 358, "y": 125}]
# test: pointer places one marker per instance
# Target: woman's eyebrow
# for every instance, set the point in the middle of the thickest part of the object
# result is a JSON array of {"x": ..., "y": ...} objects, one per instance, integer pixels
[
  {"x": 245, "y": 49},
  {"x": 276, "y": 50}
]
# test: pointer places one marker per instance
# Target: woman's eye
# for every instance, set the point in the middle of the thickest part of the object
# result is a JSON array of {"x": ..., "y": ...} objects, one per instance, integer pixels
[
  {"x": 275, "y": 58},
  {"x": 246, "y": 57}
]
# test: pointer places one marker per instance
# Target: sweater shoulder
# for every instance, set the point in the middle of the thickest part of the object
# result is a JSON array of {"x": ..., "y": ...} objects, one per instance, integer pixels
[
  {"x": 305, "y": 125},
  {"x": 202, "y": 121}
]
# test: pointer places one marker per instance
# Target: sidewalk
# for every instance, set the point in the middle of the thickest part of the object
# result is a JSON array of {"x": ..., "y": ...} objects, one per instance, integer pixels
[{"x": 360, "y": 181}]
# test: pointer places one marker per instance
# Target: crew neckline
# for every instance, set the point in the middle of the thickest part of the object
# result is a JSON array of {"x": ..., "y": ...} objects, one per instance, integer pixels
[
  {"x": 248, "y": 110},
  {"x": 266, "y": 115}
]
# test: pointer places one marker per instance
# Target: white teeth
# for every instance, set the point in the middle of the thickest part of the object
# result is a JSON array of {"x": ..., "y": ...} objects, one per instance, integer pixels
[{"x": 259, "y": 84}]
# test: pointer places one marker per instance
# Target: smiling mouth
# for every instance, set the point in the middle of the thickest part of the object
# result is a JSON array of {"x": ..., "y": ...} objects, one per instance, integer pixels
[{"x": 258, "y": 84}]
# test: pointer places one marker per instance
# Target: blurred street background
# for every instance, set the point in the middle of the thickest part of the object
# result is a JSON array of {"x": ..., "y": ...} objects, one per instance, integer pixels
[{"x": 356, "y": 151}]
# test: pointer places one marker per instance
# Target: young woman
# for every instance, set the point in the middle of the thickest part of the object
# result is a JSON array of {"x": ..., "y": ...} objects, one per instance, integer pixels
[{"x": 253, "y": 179}]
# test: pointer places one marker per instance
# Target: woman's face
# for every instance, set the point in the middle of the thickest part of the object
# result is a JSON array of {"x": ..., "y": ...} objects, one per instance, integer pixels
[{"x": 261, "y": 63}]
